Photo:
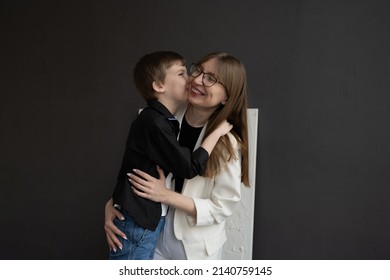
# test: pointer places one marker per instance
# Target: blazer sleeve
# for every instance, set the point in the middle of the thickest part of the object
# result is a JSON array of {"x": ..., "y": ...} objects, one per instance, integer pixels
[
  {"x": 165, "y": 150},
  {"x": 225, "y": 194}
]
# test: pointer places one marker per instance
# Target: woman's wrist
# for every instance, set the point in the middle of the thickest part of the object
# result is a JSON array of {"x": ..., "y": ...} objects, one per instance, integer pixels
[{"x": 167, "y": 196}]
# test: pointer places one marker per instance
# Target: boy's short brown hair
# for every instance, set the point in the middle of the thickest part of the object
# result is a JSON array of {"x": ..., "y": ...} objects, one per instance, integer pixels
[{"x": 152, "y": 67}]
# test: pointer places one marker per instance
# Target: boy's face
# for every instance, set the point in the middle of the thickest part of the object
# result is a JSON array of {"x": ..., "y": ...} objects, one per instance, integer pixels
[{"x": 176, "y": 83}]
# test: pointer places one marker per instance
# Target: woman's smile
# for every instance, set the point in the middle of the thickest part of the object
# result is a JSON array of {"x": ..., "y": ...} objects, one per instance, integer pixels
[{"x": 196, "y": 92}]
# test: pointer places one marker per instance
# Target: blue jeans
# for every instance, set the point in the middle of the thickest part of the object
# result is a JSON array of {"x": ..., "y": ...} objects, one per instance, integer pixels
[{"x": 140, "y": 243}]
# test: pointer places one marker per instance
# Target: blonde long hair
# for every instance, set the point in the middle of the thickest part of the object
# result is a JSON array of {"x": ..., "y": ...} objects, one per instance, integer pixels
[{"x": 232, "y": 74}]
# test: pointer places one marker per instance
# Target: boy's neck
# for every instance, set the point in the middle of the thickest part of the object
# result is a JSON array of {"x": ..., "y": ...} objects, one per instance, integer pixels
[{"x": 170, "y": 105}]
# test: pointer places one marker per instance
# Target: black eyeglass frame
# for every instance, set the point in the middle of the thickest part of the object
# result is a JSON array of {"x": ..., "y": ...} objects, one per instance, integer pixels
[{"x": 195, "y": 67}]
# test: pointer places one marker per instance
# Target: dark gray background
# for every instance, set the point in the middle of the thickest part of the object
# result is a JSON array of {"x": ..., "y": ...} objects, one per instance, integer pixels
[{"x": 318, "y": 71}]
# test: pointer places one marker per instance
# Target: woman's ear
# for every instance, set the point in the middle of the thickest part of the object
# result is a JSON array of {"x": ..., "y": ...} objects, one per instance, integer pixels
[
  {"x": 224, "y": 102},
  {"x": 158, "y": 87}
]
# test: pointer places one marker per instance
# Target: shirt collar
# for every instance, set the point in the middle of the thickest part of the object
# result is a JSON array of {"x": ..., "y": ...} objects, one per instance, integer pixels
[
  {"x": 156, "y": 105},
  {"x": 159, "y": 107}
]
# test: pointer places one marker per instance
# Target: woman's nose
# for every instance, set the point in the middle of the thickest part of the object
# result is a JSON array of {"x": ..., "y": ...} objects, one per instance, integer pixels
[{"x": 199, "y": 79}]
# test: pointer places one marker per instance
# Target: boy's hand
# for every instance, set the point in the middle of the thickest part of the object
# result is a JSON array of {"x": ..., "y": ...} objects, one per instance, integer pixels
[
  {"x": 211, "y": 140},
  {"x": 224, "y": 128}
]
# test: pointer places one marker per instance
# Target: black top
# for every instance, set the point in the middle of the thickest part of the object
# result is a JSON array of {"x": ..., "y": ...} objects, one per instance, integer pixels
[
  {"x": 188, "y": 137},
  {"x": 153, "y": 141}
]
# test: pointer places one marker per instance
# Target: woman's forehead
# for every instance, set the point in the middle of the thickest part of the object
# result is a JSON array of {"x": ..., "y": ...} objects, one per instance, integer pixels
[{"x": 210, "y": 66}]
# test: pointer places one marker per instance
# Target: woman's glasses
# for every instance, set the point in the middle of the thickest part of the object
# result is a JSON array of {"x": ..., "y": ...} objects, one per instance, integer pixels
[{"x": 208, "y": 79}]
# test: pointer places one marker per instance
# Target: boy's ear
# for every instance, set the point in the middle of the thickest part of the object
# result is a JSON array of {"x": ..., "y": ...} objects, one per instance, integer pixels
[{"x": 158, "y": 86}]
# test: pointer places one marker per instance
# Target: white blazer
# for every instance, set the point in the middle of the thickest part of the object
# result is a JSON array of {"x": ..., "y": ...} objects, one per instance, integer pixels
[{"x": 215, "y": 199}]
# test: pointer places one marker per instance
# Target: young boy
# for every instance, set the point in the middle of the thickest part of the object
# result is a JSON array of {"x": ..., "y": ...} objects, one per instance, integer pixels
[{"x": 161, "y": 78}]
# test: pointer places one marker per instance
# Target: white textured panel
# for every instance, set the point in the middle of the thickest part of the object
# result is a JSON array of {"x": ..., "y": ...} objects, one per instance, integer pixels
[{"x": 239, "y": 227}]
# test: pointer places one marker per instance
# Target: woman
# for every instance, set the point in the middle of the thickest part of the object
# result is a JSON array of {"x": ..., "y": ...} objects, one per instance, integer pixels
[{"x": 195, "y": 224}]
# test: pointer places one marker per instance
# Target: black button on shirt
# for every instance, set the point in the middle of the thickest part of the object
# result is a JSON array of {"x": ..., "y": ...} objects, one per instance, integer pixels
[{"x": 152, "y": 141}]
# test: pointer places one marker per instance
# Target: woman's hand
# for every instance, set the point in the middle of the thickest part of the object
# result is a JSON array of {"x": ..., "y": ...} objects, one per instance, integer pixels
[
  {"x": 149, "y": 187},
  {"x": 111, "y": 230},
  {"x": 154, "y": 189}
]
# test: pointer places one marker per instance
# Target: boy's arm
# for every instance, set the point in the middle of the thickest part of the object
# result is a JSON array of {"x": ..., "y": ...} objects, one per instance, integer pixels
[
  {"x": 209, "y": 143},
  {"x": 164, "y": 149}
]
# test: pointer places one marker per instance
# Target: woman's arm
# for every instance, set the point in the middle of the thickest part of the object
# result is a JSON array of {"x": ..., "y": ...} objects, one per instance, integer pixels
[
  {"x": 111, "y": 230},
  {"x": 155, "y": 189},
  {"x": 217, "y": 198},
  {"x": 224, "y": 192}
]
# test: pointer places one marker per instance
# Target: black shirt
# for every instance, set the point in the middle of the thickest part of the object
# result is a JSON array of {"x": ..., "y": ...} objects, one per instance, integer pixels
[
  {"x": 152, "y": 141},
  {"x": 188, "y": 137}
]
